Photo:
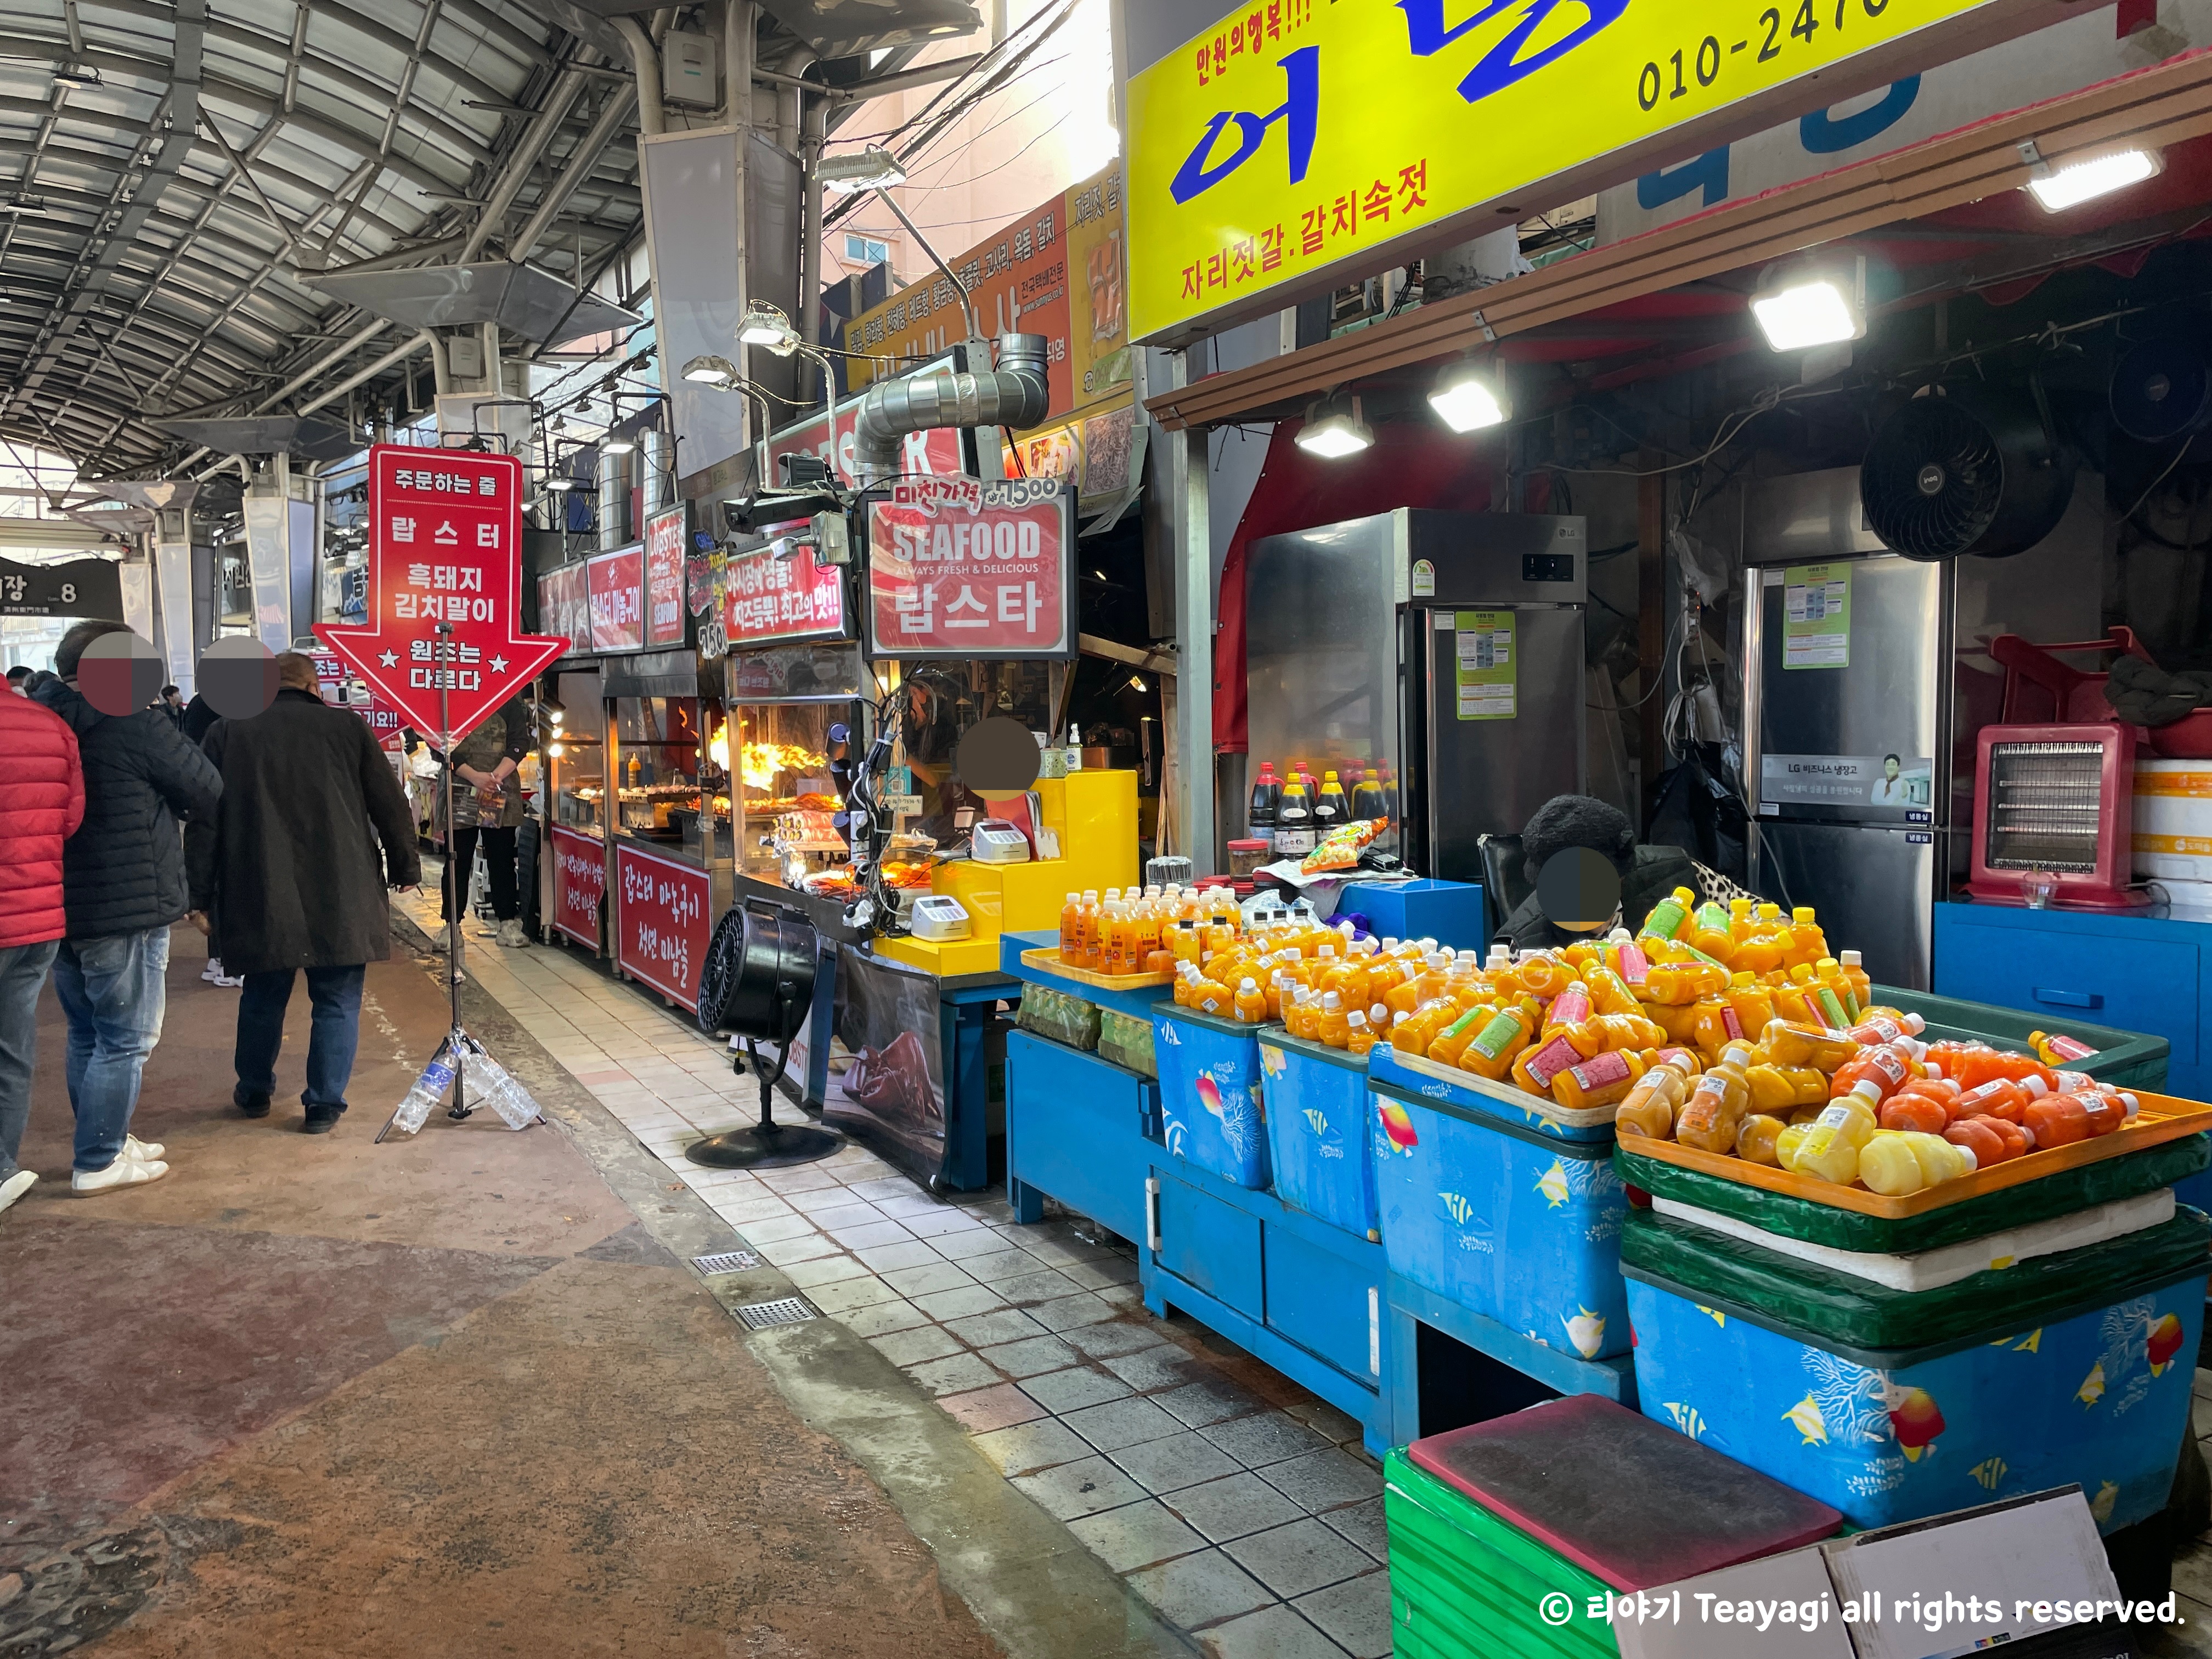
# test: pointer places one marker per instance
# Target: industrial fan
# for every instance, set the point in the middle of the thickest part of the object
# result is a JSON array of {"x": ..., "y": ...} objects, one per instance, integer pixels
[
  {"x": 1964, "y": 468},
  {"x": 2162, "y": 389}
]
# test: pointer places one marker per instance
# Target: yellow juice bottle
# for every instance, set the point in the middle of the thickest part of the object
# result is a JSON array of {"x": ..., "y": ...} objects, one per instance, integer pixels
[
  {"x": 1609, "y": 992},
  {"x": 1251, "y": 1003},
  {"x": 1759, "y": 951},
  {"x": 1749, "y": 1005},
  {"x": 1359, "y": 1038},
  {"x": 1830, "y": 1150},
  {"x": 1450, "y": 1042},
  {"x": 1808, "y": 944},
  {"x": 1333, "y": 1025}
]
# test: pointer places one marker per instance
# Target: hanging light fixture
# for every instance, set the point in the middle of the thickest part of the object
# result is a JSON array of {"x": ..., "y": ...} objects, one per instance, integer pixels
[
  {"x": 870, "y": 169},
  {"x": 764, "y": 326},
  {"x": 1468, "y": 398},
  {"x": 711, "y": 371},
  {"x": 2057, "y": 189},
  {"x": 1333, "y": 428},
  {"x": 1802, "y": 304}
]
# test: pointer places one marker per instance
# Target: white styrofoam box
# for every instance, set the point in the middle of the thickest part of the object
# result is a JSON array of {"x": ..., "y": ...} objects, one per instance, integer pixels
[
  {"x": 1928, "y": 1270},
  {"x": 2174, "y": 819}
]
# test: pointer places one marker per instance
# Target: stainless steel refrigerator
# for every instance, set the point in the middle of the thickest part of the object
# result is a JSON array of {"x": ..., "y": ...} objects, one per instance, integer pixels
[
  {"x": 1446, "y": 645},
  {"x": 1865, "y": 683}
]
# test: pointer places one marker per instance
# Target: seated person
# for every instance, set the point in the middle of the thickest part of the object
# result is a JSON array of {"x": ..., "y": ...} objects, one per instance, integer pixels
[{"x": 1648, "y": 874}]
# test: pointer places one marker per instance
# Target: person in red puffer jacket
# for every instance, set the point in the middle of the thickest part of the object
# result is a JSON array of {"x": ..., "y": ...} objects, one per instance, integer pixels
[{"x": 41, "y": 803}]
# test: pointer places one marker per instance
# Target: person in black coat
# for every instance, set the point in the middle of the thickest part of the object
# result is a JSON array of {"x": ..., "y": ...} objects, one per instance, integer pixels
[
  {"x": 123, "y": 885},
  {"x": 293, "y": 874}
]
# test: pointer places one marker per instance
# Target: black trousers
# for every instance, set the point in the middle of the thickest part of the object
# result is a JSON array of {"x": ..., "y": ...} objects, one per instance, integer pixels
[{"x": 499, "y": 864}]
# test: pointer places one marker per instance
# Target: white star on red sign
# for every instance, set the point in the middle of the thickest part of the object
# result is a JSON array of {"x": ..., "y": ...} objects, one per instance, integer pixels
[
  {"x": 389, "y": 659},
  {"x": 498, "y": 665}
]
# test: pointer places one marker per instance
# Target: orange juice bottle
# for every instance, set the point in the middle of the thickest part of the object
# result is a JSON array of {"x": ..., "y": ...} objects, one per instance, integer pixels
[
  {"x": 1793, "y": 999},
  {"x": 1808, "y": 944},
  {"x": 1669, "y": 915},
  {"x": 1493, "y": 1050},
  {"x": 1862, "y": 982},
  {"x": 1718, "y": 1104},
  {"x": 1603, "y": 1080},
  {"x": 1829, "y": 993},
  {"x": 1760, "y": 950},
  {"x": 1360, "y": 1037},
  {"x": 1541, "y": 974},
  {"x": 1071, "y": 928},
  {"x": 1450, "y": 1042},
  {"x": 1651, "y": 1104},
  {"x": 1712, "y": 1025},
  {"x": 1146, "y": 916},
  {"x": 1741, "y": 920},
  {"x": 1793, "y": 1043},
  {"x": 1831, "y": 1148},
  {"x": 1709, "y": 931},
  {"x": 1749, "y": 1005},
  {"x": 1411, "y": 1034},
  {"x": 1887, "y": 1067},
  {"x": 1183, "y": 942},
  {"x": 1251, "y": 1003},
  {"x": 1539, "y": 1064},
  {"x": 1208, "y": 995},
  {"x": 1772, "y": 1090},
  {"x": 1609, "y": 992},
  {"x": 1629, "y": 1031},
  {"x": 1570, "y": 1011},
  {"x": 1333, "y": 1025}
]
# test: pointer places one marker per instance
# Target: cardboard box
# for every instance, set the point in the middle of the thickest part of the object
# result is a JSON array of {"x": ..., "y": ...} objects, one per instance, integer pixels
[{"x": 2174, "y": 819}]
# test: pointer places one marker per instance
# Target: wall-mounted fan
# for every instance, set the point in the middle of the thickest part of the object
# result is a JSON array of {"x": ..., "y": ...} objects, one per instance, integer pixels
[
  {"x": 1964, "y": 468},
  {"x": 2162, "y": 389}
]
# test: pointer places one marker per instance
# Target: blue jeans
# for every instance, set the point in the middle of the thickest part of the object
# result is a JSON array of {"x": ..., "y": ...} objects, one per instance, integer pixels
[
  {"x": 23, "y": 971},
  {"x": 333, "y": 1033},
  {"x": 114, "y": 991}
]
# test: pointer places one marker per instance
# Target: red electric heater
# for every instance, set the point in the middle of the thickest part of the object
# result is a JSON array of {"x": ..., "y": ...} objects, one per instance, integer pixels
[{"x": 2054, "y": 801}]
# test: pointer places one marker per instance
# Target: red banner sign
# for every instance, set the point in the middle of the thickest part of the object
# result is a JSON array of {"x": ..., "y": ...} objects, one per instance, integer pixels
[
  {"x": 767, "y": 599},
  {"x": 661, "y": 926},
  {"x": 616, "y": 582},
  {"x": 936, "y": 451},
  {"x": 564, "y": 608},
  {"x": 580, "y": 879},
  {"x": 663, "y": 577},
  {"x": 334, "y": 683},
  {"x": 965, "y": 568},
  {"x": 445, "y": 542}
]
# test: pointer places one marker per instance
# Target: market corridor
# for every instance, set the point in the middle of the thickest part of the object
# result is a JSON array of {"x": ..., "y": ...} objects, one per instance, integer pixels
[{"x": 312, "y": 1394}]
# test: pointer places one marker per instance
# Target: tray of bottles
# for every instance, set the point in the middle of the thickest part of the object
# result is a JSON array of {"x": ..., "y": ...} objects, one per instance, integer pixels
[
  {"x": 1047, "y": 959},
  {"x": 1540, "y": 1107},
  {"x": 2162, "y": 1118}
]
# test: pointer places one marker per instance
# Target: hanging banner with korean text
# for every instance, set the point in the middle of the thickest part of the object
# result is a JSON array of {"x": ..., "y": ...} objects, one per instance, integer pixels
[
  {"x": 1298, "y": 145},
  {"x": 616, "y": 586},
  {"x": 663, "y": 577},
  {"x": 767, "y": 600},
  {"x": 963, "y": 568},
  {"x": 442, "y": 646},
  {"x": 660, "y": 924}
]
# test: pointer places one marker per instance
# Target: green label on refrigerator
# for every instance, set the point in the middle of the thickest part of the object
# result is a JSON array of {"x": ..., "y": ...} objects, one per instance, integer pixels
[
  {"x": 1816, "y": 616},
  {"x": 1484, "y": 666}
]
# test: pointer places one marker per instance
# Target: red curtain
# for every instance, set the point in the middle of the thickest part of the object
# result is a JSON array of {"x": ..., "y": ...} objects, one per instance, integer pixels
[{"x": 1410, "y": 464}]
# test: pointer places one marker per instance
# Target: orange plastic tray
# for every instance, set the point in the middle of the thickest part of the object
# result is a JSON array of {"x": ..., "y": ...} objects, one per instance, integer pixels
[
  {"x": 2162, "y": 1118},
  {"x": 1048, "y": 957}
]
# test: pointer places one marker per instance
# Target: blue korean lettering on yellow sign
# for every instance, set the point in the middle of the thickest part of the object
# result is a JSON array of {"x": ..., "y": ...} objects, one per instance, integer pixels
[{"x": 1296, "y": 135}]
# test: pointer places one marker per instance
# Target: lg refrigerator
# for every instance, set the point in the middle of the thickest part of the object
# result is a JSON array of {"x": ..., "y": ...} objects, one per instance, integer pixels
[
  {"x": 1446, "y": 647},
  {"x": 1865, "y": 682}
]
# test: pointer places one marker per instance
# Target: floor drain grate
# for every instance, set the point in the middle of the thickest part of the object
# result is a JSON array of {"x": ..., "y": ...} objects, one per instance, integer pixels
[
  {"x": 790, "y": 1310},
  {"x": 727, "y": 1261}
]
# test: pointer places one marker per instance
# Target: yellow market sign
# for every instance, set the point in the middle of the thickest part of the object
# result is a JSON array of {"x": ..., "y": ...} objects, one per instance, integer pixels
[{"x": 1299, "y": 144}]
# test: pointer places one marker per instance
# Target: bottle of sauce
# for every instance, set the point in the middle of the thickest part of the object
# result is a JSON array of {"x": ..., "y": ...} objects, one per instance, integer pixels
[
  {"x": 1267, "y": 797},
  {"x": 1331, "y": 810},
  {"x": 1294, "y": 823}
]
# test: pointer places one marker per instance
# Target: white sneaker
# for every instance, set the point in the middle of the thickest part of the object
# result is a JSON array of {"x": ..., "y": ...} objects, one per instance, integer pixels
[
  {"x": 146, "y": 1151},
  {"x": 213, "y": 975},
  {"x": 125, "y": 1171},
  {"x": 16, "y": 1185},
  {"x": 514, "y": 935}
]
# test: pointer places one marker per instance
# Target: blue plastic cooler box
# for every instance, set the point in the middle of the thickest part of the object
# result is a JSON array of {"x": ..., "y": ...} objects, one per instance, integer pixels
[
  {"x": 1211, "y": 1111},
  {"x": 1521, "y": 1226},
  {"x": 2097, "y": 1394},
  {"x": 1316, "y": 1105}
]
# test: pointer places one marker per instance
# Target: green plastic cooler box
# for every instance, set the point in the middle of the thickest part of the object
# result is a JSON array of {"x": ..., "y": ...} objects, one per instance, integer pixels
[
  {"x": 2129, "y": 1060},
  {"x": 1578, "y": 1497}
]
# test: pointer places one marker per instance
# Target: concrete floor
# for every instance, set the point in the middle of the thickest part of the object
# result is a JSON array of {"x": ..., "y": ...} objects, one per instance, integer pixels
[{"x": 456, "y": 1396}]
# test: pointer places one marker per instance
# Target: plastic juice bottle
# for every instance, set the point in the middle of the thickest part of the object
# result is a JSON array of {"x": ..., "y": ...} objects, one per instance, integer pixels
[
  {"x": 1808, "y": 944},
  {"x": 1879, "y": 1028},
  {"x": 1832, "y": 992},
  {"x": 1411, "y": 1034},
  {"x": 1830, "y": 1150},
  {"x": 1251, "y": 1005},
  {"x": 1070, "y": 926},
  {"x": 2003, "y": 1097},
  {"x": 1113, "y": 932},
  {"x": 1771, "y": 1089},
  {"x": 1630, "y": 960},
  {"x": 1183, "y": 942},
  {"x": 1794, "y": 1044},
  {"x": 1650, "y": 1105},
  {"x": 1713, "y": 1025},
  {"x": 1600, "y": 1080},
  {"x": 1717, "y": 1105},
  {"x": 1679, "y": 984},
  {"x": 1379, "y": 1022},
  {"x": 1862, "y": 982},
  {"x": 1810, "y": 1083},
  {"x": 1748, "y": 1001},
  {"x": 1897, "y": 1165},
  {"x": 1609, "y": 992},
  {"x": 1667, "y": 915},
  {"x": 1741, "y": 920},
  {"x": 1209, "y": 995},
  {"x": 1888, "y": 1067},
  {"x": 2109, "y": 1109},
  {"x": 1709, "y": 931},
  {"x": 2056, "y": 1120},
  {"x": 1498, "y": 1044},
  {"x": 1570, "y": 1009},
  {"x": 1333, "y": 1026},
  {"x": 1147, "y": 921},
  {"x": 1793, "y": 1000},
  {"x": 1915, "y": 1112},
  {"x": 1630, "y": 1031},
  {"x": 1543, "y": 1062},
  {"x": 1358, "y": 1034},
  {"x": 2056, "y": 1048},
  {"x": 1759, "y": 951},
  {"x": 1757, "y": 1138},
  {"x": 1450, "y": 1039}
]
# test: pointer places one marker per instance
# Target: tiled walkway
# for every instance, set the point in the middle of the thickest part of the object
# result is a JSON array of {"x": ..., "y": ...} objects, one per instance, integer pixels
[{"x": 1240, "y": 1506}]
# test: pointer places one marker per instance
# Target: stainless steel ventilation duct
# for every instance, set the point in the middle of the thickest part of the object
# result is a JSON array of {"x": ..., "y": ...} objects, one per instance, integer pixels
[{"x": 1015, "y": 395}]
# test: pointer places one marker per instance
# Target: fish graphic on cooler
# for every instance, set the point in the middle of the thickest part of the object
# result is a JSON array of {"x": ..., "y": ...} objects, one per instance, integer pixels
[
  {"x": 2092, "y": 1386},
  {"x": 1914, "y": 1418},
  {"x": 1237, "y": 1110},
  {"x": 1552, "y": 1183},
  {"x": 1805, "y": 1416},
  {"x": 1586, "y": 1330},
  {"x": 1398, "y": 1127},
  {"x": 2101, "y": 1506},
  {"x": 2165, "y": 1342}
]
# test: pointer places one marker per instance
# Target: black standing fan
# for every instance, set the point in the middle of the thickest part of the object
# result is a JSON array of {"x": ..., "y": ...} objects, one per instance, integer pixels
[
  {"x": 758, "y": 982},
  {"x": 1965, "y": 468},
  {"x": 2162, "y": 389}
]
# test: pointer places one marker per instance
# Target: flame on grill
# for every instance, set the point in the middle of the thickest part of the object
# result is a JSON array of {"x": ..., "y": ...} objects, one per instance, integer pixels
[
  {"x": 766, "y": 761},
  {"x": 718, "y": 749}
]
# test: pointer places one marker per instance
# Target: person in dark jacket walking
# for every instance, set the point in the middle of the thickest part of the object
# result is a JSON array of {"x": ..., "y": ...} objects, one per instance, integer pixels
[
  {"x": 292, "y": 872},
  {"x": 122, "y": 885},
  {"x": 41, "y": 803}
]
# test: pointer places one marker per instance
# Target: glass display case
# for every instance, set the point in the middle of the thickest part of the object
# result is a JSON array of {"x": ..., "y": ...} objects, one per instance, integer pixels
[
  {"x": 791, "y": 759},
  {"x": 576, "y": 771},
  {"x": 671, "y": 772}
]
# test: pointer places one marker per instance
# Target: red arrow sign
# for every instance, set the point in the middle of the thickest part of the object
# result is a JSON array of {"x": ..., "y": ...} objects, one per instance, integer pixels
[{"x": 445, "y": 549}]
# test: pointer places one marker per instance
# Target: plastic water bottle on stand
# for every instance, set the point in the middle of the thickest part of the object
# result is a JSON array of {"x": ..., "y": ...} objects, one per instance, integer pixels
[
  {"x": 491, "y": 1084},
  {"x": 429, "y": 1091}
]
